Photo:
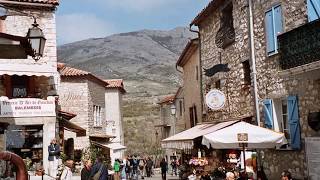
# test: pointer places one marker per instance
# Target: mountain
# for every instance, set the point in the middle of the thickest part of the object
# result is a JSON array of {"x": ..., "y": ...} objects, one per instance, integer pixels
[{"x": 146, "y": 61}]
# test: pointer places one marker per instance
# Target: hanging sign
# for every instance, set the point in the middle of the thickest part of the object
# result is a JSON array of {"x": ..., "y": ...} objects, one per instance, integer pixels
[{"x": 215, "y": 99}]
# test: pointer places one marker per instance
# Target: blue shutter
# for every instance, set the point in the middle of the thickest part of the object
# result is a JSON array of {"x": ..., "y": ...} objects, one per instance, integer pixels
[
  {"x": 293, "y": 119},
  {"x": 269, "y": 32},
  {"x": 313, "y": 10},
  {"x": 268, "y": 116},
  {"x": 278, "y": 27}
]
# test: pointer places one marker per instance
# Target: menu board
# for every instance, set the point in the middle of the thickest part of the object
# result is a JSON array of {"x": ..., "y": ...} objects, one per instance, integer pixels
[{"x": 313, "y": 157}]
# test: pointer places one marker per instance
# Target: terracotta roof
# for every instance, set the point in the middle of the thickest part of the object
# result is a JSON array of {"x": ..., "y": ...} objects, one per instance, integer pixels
[
  {"x": 116, "y": 83},
  {"x": 167, "y": 100},
  {"x": 54, "y": 2},
  {"x": 206, "y": 11},
  {"x": 192, "y": 44},
  {"x": 66, "y": 71},
  {"x": 170, "y": 98}
]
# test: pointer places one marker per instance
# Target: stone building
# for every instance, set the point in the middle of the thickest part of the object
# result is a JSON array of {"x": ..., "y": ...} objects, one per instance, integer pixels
[
  {"x": 97, "y": 105},
  {"x": 188, "y": 62},
  {"x": 28, "y": 111},
  {"x": 287, "y": 69}
]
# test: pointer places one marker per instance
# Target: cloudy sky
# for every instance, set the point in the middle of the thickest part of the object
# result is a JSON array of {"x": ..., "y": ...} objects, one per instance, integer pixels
[{"x": 83, "y": 19}]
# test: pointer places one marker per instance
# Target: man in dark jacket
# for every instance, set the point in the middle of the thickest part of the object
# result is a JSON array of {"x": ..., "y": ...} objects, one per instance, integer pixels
[
  {"x": 164, "y": 169},
  {"x": 99, "y": 166},
  {"x": 54, "y": 155},
  {"x": 149, "y": 166}
]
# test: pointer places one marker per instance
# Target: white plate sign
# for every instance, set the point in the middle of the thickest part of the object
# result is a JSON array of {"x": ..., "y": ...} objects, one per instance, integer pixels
[{"x": 215, "y": 99}]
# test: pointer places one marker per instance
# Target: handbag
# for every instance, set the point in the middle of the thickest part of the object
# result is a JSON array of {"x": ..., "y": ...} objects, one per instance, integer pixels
[{"x": 98, "y": 174}]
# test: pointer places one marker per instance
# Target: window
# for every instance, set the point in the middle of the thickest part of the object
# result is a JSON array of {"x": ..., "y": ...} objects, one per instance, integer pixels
[
  {"x": 217, "y": 84},
  {"x": 313, "y": 10},
  {"x": 273, "y": 23},
  {"x": 193, "y": 116},
  {"x": 97, "y": 116},
  {"x": 282, "y": 116},
  {"x": 246, "y": 72},
  {"x": 197, "y": 73},
  {"x": 180, "y": 107}
]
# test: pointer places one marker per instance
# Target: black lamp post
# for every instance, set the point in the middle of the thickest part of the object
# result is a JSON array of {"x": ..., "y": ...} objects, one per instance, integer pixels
[{"x": 37, "y": 40}]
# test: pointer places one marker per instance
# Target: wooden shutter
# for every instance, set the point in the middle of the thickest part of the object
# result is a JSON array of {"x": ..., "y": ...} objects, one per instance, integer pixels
[
  {"x": 294, "y": 125},
  {"x": 269, "y": 32},
  {"x": 313, "y": 9},
  {"x": 268, "y": 116},
  {"x": 278, "y": 27}
]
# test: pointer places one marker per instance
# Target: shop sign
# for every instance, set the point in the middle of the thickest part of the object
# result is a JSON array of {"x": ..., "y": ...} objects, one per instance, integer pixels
[
  {"x": 242, "y": 137},
  {"x": 215, "y": 99},
  {"x": 27, "y": 107}
]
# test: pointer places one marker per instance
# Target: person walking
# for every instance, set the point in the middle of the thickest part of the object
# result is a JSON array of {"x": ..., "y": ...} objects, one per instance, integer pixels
[
  {"x": 99, "y": 171},
  {"x": 142, "y": 165},
  {"x": 135, "y": 164},
  {"x": 164, "y": 169},
  {"x": 149, "y": 165},
  {"x": 128, "y": 168},
  {"x": 85, "y": 172},
  {"x": 116, "y": 168},
  {"x": 53, "y": 158},
  {"x": 67, "y": 173}
]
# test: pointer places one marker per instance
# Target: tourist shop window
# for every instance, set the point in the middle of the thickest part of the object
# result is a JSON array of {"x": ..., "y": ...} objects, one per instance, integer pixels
[
  {"x": 313, "y": 10},
  {"x": 97, "y": 121},
  {"x": 282, "y": 115},
  {"x": 19, "y": 86},
  {"x": 246, "y": 72},
  {"x": 273, "y": 27}
]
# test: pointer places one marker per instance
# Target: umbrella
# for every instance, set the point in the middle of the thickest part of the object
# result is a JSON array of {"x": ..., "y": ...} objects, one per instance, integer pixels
[{"x": 243, "y": 135}]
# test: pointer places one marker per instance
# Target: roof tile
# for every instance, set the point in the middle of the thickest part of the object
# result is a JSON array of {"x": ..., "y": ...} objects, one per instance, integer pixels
[{"x": 115, "y": 83}]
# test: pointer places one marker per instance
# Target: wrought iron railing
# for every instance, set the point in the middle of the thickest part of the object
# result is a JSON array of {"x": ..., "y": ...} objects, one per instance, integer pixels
[{"x": 300, "y": 46}]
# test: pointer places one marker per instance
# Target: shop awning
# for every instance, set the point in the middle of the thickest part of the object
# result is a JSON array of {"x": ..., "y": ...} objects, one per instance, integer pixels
[
  {"x": 69, "y": 126},
  {"x": 101, "y": 136},
  {"x": 32, "y": 69},
  {"x": 184, "y": 139},
  {"x": 242, "y": 133},
  {"x": 110, "y": 145}
]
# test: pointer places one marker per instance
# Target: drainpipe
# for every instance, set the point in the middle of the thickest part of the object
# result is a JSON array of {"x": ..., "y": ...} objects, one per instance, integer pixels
[
  {"x": 253, "y": 63},
  {"x": 200, "y": 69}
]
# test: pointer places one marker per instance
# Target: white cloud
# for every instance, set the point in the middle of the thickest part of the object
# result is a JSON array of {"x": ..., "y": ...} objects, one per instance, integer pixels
[{"x": 75, "y": 27}]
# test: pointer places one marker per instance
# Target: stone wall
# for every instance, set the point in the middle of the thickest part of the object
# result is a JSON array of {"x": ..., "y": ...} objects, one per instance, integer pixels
[
  {"x": 239, "y": 100},
  {"x": 271, "y": 83},
  {"x": 73, "y": 98},
  {"x": 96, "y": 96}
]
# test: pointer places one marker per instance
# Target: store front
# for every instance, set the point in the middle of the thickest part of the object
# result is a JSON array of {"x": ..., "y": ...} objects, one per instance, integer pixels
[{"x": 30, "y": 126}]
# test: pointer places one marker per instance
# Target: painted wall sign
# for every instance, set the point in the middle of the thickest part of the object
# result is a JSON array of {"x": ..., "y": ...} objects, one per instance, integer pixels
[
  {"x": 215, "y": 99},
  {"x": 27, "y": 107}
]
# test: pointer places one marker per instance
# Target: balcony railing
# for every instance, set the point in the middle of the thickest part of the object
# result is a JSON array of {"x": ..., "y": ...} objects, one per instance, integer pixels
[
  {"x": 300, "y": 46},
  {"x": 27, "y": 107}
]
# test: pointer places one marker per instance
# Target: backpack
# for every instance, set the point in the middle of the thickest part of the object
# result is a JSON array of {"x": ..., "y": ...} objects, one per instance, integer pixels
[{"x": 98, "y": 174}]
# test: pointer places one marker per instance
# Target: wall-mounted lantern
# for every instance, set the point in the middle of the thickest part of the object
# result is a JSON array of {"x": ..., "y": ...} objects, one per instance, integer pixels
[{"x": 37, "y": 40}]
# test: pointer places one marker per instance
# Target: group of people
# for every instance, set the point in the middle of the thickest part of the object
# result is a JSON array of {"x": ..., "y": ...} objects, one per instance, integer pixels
[{"x": 135, "y": 166}]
